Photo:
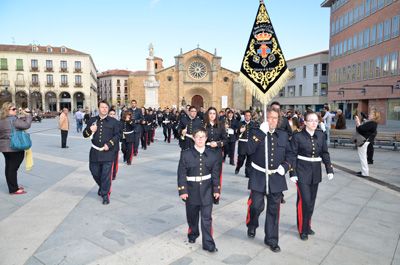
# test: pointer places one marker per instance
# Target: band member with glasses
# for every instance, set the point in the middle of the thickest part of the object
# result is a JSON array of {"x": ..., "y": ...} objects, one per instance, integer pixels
[
  {"x": 199, "y": 186},
  {"x": 309, "y": 149},
  {"x": 267, "y": 180}
]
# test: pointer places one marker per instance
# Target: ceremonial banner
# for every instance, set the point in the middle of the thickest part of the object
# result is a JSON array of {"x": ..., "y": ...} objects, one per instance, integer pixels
[{"x": 264, "y": 70}]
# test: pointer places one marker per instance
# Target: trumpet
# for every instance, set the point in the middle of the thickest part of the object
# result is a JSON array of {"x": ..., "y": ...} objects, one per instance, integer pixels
[
  {"x": 241, "y": 134},
  {"x": 183, "y": 136}
]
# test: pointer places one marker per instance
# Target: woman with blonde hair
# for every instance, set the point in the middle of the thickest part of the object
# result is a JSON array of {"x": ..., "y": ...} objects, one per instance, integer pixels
[
  {"x": 12, "y": 157},
  {"x": 366, "y": 129}
]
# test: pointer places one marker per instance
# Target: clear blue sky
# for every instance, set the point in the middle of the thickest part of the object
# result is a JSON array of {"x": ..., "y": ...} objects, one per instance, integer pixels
[{"x": 117, "y": 33}]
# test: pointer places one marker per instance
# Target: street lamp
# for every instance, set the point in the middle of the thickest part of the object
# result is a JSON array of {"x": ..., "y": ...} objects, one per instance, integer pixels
[
  {"x": 353, "y": 88},
  {"x": 380, "y": 86},
  {"x": 339, "y": 92}
]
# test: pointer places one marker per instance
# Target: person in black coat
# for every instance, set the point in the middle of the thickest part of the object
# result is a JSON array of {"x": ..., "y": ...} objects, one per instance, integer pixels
[
  {"x": 187, "y": 125},
  {"x": 199, "y": 186},
  {"x": 285, "y": 123},
  {"x": 167, "y": 123},
  {"x": 159, "y": 114},
  {"x": 216, "y": 135},
  {"x": 127, "y": 137},
  {"x": 309, "y": 149},
  {"x": 231, "y": 126},
  {"x": 114, "y": 171},
  {"x": 152, "y": 123},
  {"x": 104, "y": 133},
  {"x": 270, "y": 182},
  {"x": 137, "y": 117},
  {"x": 244, "y": 132}
]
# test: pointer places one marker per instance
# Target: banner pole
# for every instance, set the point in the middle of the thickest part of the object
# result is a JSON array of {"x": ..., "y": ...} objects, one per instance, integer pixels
[{"x": 266, "y": 152}]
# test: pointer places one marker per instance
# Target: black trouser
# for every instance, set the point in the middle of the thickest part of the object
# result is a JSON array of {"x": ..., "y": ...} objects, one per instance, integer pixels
[
  {"x": 306, "y": 195},
  {"x": 159, "y": 123},
  {"x": 256, "y": 207},
  {"x": 240, "y": 163},
  {"x": 370, "y": 149},
  {"x": 167, "y": 134},
  {"x": 176, "y": 134},
  {"x": 143, "y": 138},
  {"x": 115, "y": 166},
  {"x": 64, "y": 135},
  {"x": 229, "y": 150},
  {"x": 12, "y": 163},
  {"x": 102, "y": 174},
  {"x": 150, "y": 137},
  {"x": 127, "y": 149},
  {"x": 136, "y": 141},
  {"x": 192, "y": 214}
]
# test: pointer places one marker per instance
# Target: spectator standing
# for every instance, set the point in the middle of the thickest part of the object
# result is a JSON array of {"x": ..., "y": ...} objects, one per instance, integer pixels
[
  {"x": 13, "y": 158},
  {"x": 78, "y": 116},
  {"x": 341, "y": 120},
  {"x": 63, "y": 125},
  {"x": 328, "y": 121}
]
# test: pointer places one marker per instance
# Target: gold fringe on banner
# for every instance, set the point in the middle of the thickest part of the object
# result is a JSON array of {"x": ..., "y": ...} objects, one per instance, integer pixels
[{"x": 265, "y": 98}]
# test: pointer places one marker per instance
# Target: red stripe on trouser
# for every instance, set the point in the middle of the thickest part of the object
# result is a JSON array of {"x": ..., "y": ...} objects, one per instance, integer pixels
[
  {"x": 248, "y": 209},
  {"x": 169, "y": 136},
  {"x": 140, "y": 137},
  {"x": 279, "y": 216},
  {"x": 187, "y": 220},
  {"x": 212, "y": 230},
  {"x": 112, "y": 170},
  {"x": 154, "y": 133},
  {"x": 299, "y": 210},
  {"x": 147, "y": 138},
  {"x": 130, "y": 159},
  {"x": 234, "y": 147},
  {"x": 237, "y": 161},
  {"x": 116, "y": 168}
]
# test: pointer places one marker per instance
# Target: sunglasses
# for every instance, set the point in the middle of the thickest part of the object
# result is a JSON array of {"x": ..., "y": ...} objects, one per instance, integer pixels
[{"x": 13, "y": 109}]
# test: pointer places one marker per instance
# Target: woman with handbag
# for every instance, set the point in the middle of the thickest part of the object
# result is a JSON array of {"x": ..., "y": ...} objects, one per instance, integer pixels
[
  {"x": 366, "y": 129},
  {"x": 12, "y": 157}
]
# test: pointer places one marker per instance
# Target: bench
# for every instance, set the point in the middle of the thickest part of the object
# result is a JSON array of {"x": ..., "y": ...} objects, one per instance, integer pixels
[
  {"x": 47, "y": 115},
  {"x": 382, "y": 138}
]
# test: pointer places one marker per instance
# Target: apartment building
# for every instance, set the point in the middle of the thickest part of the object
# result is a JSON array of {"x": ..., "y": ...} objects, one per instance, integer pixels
[
  {"x": 364, "y": 57},
  {"x": 309, "y": 84},
  {"x": 47, "y": 78},
  {"x": 113, "y": 87}
]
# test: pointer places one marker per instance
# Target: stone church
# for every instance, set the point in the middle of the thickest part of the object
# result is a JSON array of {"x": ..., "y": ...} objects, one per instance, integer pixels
[{"x": 197, "y": 78}]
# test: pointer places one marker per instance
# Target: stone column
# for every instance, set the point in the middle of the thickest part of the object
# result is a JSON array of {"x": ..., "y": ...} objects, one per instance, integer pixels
[{"x": 151, "y": 86}]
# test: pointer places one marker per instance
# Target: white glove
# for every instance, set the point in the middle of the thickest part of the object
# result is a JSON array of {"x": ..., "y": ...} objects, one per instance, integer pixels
[
  {"x": 330, "y": 176},
  {"x": 280, "y": 170},
  {"x": 264, "y": 127},
  {"x": 294, "y": 179}
]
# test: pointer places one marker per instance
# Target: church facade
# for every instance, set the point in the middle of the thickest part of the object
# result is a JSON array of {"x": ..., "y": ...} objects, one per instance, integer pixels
[{"x": 197, "y": 78}]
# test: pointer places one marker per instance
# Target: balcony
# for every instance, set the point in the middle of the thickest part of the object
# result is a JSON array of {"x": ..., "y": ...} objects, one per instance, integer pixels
[
  {"x": 19, "y": 82},
  {"x": 34, "y": 69},
  {"x": 63, "y": 84},
  {"x": 19, "y": 68},
  {"x": 49, "y": 84},
  {"x": 4, "y": 67},
  {"x": 63, "y": 69},
  {"x": 48, "y": 69},
  {"x": 35, "y": 84},
  {"x": 4, "y": 82},
  {"x": 77, "y": 84},
  {"x": 77, "y": 70}
]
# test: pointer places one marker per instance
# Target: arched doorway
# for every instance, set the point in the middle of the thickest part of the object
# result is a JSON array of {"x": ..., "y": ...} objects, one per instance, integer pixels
[
  {"x": 65, "y": 100},
  {"x": 50, "y": 101},
  {"x": 21, "y": 98},
  {"x": 197, "y": 101},
  {"x": 79, "y": 99},
  {"x": 36, "y": 100},
  {"x": 5, "y": 96}
]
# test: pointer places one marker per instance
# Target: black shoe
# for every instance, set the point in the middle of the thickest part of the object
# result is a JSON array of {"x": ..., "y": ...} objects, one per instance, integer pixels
[
  {"x": 361, "y": 175},
  {"x": 370, "y": 162},
  {"x": 247, "y": 176},
  {"x": 124, "y": 159},
  {"x": 223, "y": 160},
  {"x": 65, "y": 147},
  {"x": 283, "y": 201},
  {"x": 128, "y": 163},
  {"x": 311, "y": 232},
  {"x": 192, "y": 240},
  {"x": 303, "y": 237},
  {"x": 134, "y": 154},
  {"x": 275, "y": 248},
  {"x": 165, "y": 139},
  {"x": 211, "y": 249},
  {"x": 99, "y": 192},
  {"x": 169, "y": 141},
  {"x": 251, "y": 232},
  {"x": 106, "y": 201},
  {"x": 237, "y": 171},
  {"x": 113, "y": 178},
  {"x": 232, "y": 164}
]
